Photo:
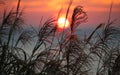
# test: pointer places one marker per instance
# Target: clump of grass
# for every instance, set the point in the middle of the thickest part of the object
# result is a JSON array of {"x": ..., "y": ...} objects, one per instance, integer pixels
[{"x": 67, "y": 54}]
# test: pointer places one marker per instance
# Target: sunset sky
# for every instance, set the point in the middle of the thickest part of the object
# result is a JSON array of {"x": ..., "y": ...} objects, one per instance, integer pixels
[{"x": 97, "y": 10}]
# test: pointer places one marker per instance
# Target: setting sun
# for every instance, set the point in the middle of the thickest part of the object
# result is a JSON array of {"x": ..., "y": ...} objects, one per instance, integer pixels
[{"x": 62, "y": 24}]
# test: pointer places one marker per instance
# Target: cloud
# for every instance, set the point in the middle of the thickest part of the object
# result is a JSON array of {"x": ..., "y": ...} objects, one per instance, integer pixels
[{"x": 53, "y": 6}]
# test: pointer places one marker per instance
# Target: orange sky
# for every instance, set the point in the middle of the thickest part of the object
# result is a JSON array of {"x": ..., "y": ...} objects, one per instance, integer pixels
[{"x": 97, "y": 10}]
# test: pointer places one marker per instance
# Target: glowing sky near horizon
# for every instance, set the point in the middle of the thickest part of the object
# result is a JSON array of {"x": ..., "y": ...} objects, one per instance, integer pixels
[{"x": 97, "y": 10}]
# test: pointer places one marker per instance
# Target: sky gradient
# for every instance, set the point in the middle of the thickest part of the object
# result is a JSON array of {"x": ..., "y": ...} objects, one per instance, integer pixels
[{"x": 97, "y": 10}]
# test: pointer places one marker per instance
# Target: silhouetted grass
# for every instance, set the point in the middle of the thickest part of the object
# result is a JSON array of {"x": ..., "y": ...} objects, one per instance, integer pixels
[{"x": 54, "y": 53}]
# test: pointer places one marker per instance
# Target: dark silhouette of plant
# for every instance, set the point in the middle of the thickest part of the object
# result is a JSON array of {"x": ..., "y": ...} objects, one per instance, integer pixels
[
  {"x": 54, "y": 53},
  {"x": 107, "y": 48}
]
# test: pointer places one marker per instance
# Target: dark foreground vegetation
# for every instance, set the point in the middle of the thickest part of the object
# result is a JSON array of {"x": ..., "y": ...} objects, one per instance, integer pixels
[{"x": 54, "y": 53}]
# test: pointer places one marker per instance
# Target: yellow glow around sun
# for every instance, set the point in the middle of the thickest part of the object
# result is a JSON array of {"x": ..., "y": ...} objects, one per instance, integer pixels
[{"x": 62, "y": 24}]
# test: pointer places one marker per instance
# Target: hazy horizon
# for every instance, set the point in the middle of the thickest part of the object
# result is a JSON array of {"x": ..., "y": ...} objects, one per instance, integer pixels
[{"x": 97, "y": 11}]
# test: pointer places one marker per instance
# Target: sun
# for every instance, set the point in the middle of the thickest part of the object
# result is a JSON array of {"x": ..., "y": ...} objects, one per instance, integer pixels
[{"x": 63, "y": 23}]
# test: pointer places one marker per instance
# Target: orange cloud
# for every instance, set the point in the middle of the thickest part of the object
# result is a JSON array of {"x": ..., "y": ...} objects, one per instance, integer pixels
[{"x": 53, "y": 6}]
